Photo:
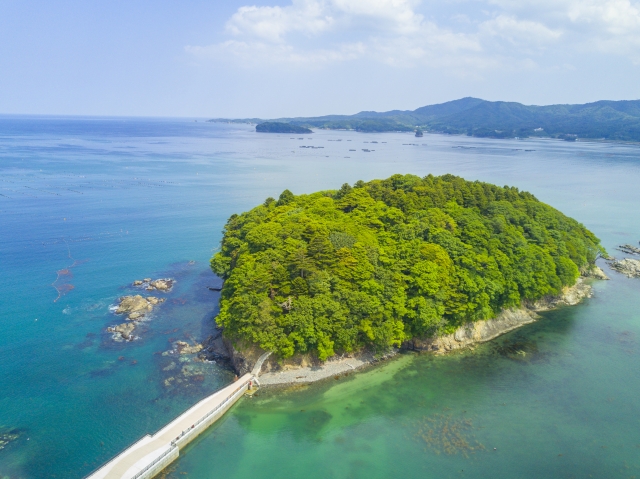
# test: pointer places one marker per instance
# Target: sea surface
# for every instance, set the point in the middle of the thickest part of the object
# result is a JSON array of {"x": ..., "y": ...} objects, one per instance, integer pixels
[{"x": 88, "y": 205}]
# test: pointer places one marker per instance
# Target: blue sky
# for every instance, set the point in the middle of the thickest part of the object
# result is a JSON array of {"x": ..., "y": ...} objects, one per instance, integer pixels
[{"x": 272, "y": 58}]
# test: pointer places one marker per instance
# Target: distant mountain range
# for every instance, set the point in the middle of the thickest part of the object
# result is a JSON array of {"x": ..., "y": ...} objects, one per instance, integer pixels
[{"x": 608, "y": 120}]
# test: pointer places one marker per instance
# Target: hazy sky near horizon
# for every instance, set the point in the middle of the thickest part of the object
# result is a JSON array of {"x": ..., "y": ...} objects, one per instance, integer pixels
[{"x": 272, "y": 58}]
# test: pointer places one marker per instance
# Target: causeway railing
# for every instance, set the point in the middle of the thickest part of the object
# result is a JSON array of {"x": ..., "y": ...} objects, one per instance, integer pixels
[
  {"x": 156, "y": 460},
  {"x": 173, "y": 443},
  {"x": 115, "y": 457},
  {"x": 186, "y": 432}
]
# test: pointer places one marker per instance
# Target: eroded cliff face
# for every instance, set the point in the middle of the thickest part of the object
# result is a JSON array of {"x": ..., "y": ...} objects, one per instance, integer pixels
[
  {"x": 507, "y": 320},
  {"x": 472, "y": 333},
  {"x": 243, "y": 356}
]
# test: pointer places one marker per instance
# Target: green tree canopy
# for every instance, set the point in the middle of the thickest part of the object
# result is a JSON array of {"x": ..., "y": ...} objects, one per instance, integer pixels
[{"x": 380, "y": 262}]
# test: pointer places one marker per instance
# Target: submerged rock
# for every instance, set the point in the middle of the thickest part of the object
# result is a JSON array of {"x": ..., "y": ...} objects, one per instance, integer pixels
[
  {"x": 629, "y": 267},
  {"x": 170, "y": 367},
  {"x": 7, "y": 437},
  {"x": 183, "y": 347}
]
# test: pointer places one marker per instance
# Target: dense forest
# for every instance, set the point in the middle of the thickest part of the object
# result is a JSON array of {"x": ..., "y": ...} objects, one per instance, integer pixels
[
  {"x": 374, "y": 264},
  {"x": 608, "y": 120},
  {"x": 278, "y": 127}
]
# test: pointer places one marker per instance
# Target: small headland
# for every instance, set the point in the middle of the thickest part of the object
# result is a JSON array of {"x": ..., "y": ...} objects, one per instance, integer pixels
[{"x": 279, "y": 127}]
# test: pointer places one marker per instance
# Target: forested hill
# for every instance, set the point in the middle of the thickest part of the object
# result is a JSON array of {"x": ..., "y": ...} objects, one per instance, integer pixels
[
  {"x": 609, "y": 120},
  {"x": 381, "y": 262}
]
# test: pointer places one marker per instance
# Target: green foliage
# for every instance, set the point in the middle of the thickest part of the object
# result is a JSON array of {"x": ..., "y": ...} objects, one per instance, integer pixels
[
  {"x": 280, "y": 127},
  {"x": 378, "y": 263},
  {"x": 610, "y": 120}
]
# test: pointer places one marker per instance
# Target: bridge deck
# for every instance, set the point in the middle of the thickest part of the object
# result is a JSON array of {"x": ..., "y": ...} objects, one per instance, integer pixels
[{"x": 138, "y": 456}]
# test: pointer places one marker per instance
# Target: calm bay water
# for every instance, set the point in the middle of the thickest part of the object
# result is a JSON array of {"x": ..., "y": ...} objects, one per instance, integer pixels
[{"x": 107, "y": 201}]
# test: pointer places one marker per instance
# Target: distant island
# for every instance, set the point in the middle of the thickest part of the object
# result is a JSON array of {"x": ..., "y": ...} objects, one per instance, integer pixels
[
  {"x": 601, "y": 120},
  {"x": 385, "y": 263},
  {"x": 281, "y": 127}
]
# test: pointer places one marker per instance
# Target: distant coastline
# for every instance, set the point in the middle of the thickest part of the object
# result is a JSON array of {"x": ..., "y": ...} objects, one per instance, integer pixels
[
  {"x": 278, "y": 127},
  {"x": 600, "y": 121}
]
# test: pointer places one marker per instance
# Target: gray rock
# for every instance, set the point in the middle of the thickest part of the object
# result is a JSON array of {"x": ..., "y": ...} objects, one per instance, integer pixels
[
  {"x": 123, "y": 331},
  {"x": 629, "y": 267}
]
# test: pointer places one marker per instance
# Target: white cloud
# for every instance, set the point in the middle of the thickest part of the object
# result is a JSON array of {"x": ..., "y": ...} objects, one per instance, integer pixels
[
  {"x": 611, "y": 26},
  {"x": 519, "y": 32},
  {"x": 273, "y": 23},
  {"x": 408, "y": 32},
  {"x": 614, "y": 25},
  {"x": 396, "y": 15},
  {"x": 390, "y": 31}
]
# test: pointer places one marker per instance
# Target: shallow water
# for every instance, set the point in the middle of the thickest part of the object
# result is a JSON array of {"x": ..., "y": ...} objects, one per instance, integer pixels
[{"x": 97, "y": 203}]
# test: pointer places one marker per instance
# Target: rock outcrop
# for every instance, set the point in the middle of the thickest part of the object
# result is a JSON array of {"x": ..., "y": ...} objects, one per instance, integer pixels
[
  {"x": 570, "y": 296},
  {"x": 123, "y": 332},
  {"x": 594, "y": 272},
  {"x": 242, "y": 356},
  {"x": 163, "y": 284},
  {"x": 629, "y": 249},
  {"x": 472, "y": 333},
  {"x": 629, "y": 267},
  {"x": 137, "y": 306},
  {"x": 214, "y": 348}
]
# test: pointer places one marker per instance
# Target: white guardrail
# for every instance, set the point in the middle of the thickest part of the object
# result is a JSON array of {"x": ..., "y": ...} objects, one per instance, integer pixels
[{"x": 192, "y": 430}]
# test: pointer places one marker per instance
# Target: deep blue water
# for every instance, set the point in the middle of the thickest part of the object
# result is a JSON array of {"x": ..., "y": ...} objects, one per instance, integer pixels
[{"x": 108, "y": 201}]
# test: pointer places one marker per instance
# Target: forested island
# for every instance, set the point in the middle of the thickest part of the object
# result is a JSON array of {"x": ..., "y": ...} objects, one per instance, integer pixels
[
  {"x": 602, "y": 120},
  {"x": 372, "y": 265},
  {"x": 279, "y": 127}
]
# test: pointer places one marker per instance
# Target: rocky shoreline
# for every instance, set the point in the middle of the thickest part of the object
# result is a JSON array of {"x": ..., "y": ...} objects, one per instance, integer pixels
[
  {"x": 307, "y": 369},
  {"x": 508, "y": 320}
]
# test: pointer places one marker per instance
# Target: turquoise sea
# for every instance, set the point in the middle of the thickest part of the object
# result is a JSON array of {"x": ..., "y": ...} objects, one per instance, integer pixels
[{"x": 88, "y": 205}]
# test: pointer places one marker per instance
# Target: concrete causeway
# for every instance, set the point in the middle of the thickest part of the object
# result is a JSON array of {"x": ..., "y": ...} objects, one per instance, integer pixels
[{"x": 153, "y": 453}]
